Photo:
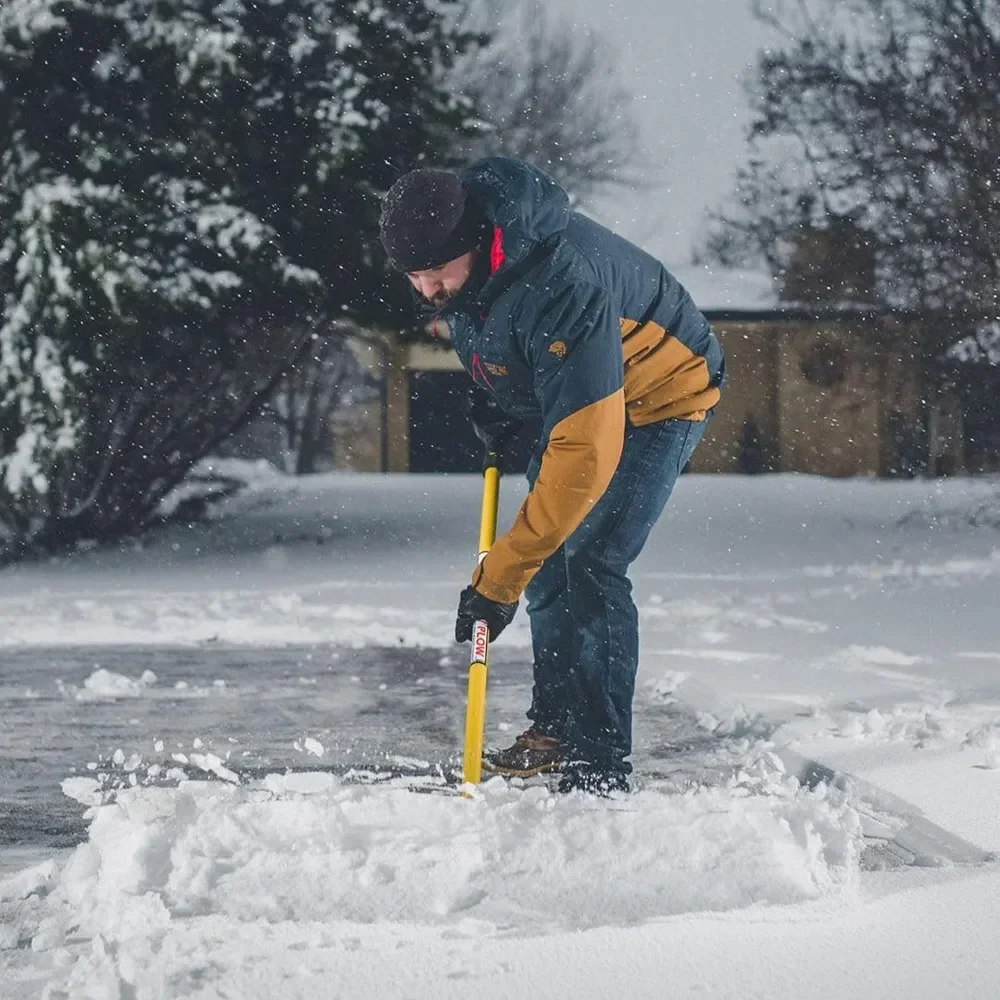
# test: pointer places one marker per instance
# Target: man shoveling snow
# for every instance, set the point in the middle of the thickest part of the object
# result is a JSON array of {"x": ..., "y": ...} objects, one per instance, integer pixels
[{"x": 555, "y": 316}]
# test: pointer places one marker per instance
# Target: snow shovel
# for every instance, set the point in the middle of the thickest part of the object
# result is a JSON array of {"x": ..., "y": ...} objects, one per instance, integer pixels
[{"x": 475, "y": 711}]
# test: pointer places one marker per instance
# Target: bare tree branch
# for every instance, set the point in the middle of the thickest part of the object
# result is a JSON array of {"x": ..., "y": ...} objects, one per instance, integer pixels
[
  {"x": 896, "y": 107},
  {"x": 552, "y": 93}
]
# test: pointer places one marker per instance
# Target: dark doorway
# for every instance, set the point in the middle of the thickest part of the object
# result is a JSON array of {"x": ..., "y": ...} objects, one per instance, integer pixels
[
  {"x": 441, "y": 437},
  {"x": 980, "y": 389}
]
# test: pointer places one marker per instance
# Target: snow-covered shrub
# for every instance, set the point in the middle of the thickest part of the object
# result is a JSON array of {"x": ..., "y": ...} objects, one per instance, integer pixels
[{"x": 187, "y": 196}]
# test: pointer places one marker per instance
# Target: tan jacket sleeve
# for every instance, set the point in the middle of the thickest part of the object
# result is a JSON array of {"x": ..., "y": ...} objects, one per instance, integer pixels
[{"x": 577, "y": 465}]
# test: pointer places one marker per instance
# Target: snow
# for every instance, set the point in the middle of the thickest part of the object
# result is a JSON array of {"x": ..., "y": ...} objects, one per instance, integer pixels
[
  {"x": 514, "y": 859},
  {"x": 717, "y": 288},
  {"x": 105, "y": 685},
  {"x": 847, "y": 622},
  {"x": 26, "y": 882}
]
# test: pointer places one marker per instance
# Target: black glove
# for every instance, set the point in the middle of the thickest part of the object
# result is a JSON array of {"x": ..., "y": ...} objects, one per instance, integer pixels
[
  {"x": 472, "y": 607},
  {"x": 494, "y": 427}
]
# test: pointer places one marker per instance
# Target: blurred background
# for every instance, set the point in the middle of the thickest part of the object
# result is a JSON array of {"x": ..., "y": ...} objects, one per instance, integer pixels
[{"x": 189, "y": 257}]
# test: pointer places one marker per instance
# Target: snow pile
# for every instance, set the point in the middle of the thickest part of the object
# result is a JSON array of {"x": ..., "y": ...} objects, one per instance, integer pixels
[
  {"x": 662, "y": 690},
  {"x": 310, "y": 746},
  {"x": 166, "y": 865},
  {"x": 25, "y": 883},
  {"x": 982, "y": 514},
  {"x": 104, "y": 684},
  {"x": 22, "y": 909},
  {"x": 924, "y": 726}
]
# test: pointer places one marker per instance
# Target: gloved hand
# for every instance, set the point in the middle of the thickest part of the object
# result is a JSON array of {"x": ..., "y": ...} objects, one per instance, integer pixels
[
  {"x": 472, "y": 606},
  {"x": 493, "y": 426}
]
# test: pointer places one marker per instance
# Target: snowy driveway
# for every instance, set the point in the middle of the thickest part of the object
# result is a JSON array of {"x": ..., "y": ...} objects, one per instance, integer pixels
[
  {"x": 852, "y": 623},
  {"x": 67, "y": 709}
]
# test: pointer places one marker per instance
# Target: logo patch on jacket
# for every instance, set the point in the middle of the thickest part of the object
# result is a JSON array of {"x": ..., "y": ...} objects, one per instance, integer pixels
[
  {"x": 558, "y": 348},
  {"x": 495, "y": 369}
]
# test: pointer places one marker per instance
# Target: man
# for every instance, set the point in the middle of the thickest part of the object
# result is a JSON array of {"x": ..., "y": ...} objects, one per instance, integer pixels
[{"x": 554, "y": 315}]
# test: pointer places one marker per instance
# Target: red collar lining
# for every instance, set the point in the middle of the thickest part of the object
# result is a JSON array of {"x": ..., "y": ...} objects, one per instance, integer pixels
[{"x": 497, "y": 256}]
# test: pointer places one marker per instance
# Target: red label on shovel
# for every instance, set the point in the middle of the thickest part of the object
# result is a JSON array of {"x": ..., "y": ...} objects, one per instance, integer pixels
[{"x": 480, "y": 641}]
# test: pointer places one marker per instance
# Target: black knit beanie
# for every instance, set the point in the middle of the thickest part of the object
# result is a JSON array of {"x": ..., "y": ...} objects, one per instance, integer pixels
[{"x": 427, "y": 220}]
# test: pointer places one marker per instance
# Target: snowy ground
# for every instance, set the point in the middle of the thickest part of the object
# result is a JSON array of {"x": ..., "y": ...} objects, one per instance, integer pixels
[{"x": 785, "y": 619}]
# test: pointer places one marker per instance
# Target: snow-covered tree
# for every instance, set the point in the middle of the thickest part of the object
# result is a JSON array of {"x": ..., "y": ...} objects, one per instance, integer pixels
[
  {"x": 876, "y": 141},
  {"x": 885, "y": 113},
  {"x": 188, "y": 191}
]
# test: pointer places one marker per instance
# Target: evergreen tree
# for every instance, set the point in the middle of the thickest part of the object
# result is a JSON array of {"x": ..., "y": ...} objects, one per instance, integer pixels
[{"x": 188, "y": 194}]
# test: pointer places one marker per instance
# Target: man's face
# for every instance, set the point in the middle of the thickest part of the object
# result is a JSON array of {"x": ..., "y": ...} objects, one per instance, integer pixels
[{"x": 440, "y": 284}]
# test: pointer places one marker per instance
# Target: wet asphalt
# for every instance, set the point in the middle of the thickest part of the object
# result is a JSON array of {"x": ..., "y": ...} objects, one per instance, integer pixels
[{"x": 254, "y": 709}]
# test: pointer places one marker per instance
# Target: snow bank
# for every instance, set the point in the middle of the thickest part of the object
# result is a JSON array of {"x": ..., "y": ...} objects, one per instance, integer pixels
[{"x": 331, "y": 856}]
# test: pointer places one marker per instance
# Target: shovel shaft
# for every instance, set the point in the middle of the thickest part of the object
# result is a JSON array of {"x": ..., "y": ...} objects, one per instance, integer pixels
[
  {"x": 475, "y": 712},
  {"x": 488, "y": 514}
]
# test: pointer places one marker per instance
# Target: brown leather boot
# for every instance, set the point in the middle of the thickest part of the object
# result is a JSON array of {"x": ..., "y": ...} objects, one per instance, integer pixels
[{"x": 532, "y": 753}]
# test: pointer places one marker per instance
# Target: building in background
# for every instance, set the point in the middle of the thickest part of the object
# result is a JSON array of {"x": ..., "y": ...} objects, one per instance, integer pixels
[{"x": 825, "y": 390}]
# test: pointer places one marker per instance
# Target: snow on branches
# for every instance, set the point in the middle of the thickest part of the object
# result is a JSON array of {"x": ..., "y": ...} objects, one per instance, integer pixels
[{"x": 187, "y": 192}]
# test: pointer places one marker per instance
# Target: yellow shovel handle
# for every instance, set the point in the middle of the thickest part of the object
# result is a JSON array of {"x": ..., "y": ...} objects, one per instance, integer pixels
[{"x": 475, "y": 711}]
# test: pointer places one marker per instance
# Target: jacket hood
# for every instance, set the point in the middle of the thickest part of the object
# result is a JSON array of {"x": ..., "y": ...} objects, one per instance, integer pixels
[{"x": 523, "y": 202}]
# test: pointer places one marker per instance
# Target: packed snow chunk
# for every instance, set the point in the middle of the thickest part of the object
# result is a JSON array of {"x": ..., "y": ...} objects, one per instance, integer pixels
[
  {"x": 408, "y": 763},
  {"x": 881, "y": 655},
  {"x": 522, "y": 860},
  {"x": 213, "y": 764},
  {"x": 86, "y": 791},
  {"x": 663, "y": 690},
  {"x": 26, "y": 883},
  {"x": 310, "y": 746},
  {"x": 104, "y": 685},
  {"x": 300, "y": 782}
]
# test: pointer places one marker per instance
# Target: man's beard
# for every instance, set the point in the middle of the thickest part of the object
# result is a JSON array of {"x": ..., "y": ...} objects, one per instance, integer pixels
[
  {"x": 478, "y": 276},
  {"x": 441, "y": 299}
]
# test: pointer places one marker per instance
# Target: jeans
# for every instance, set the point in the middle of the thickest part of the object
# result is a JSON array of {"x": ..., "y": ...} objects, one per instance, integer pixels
[{"x": 584, "y": 624}]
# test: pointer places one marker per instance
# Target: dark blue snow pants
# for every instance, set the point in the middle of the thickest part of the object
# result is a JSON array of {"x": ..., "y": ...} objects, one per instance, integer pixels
[{"x": 584, "y": 625}]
